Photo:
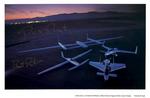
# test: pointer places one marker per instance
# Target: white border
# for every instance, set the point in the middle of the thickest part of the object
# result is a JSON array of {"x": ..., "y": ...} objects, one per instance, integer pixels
[
  {"x": 72, "y": 1},
  {"x": 2, "y": 46},
  {"x": 71, "y": 93}
]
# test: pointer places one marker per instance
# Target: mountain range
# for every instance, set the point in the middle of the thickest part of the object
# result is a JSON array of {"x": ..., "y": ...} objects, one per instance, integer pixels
[{"x": 74, "y": 16}]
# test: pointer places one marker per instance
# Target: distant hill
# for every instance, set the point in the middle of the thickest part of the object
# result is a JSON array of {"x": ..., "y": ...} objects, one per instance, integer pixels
[{"x": 72, "y": 16}]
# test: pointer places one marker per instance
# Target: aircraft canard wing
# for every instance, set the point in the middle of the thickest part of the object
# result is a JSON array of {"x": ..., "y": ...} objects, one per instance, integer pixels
[
  {"x": 98, "y": 65},
  {"x": 53, "y": 67},
  {"x": 82, "y": 54},
  {"x": 117, "y": 66}
]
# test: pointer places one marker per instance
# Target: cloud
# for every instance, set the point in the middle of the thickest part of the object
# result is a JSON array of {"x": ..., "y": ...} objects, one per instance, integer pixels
[
  {"x": 40, "y": 10},
  {"x": 13, "y": 9}
]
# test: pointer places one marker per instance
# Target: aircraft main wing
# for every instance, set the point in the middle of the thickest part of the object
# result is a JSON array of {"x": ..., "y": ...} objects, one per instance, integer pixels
[
  {"x": 90, "y": 43},
  {"x": 82, "y": 54},
  {"x": 50, "y": 47},
  {"x": 53, "y": 67},
  {"x": 131, "y": 52},
  {"x": 105, "y": 39},
  {"x": 124, "y": 51},
  {"x": 98, "y": 65},
  {"x": 70, "y": 46},
  {"x": 117, "y": 66},
  {"x": 39, "y": 49},
  {"x": 107, "y": 48},
  {"x": 77, "y": 46}
]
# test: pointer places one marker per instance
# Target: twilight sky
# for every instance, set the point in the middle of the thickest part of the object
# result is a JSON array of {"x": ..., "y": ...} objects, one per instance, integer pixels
[{"x": 18, "y": 11}]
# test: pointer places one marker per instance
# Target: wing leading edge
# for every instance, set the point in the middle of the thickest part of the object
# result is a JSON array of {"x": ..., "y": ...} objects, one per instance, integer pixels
[
  {"x": 98, "y": 65},
  {"x": 117, "y": 66}
]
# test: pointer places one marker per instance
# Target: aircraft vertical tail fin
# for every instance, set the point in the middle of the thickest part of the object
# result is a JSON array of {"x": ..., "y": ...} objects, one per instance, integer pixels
[
  {"x": 88, "y": 38},
  {"x": 62, "y": 46}
]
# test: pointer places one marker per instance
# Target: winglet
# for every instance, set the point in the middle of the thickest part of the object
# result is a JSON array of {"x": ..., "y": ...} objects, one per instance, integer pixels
[
  {"x": 136, "y": 49},
  {"x": 87, "y": 36},
  {"x": 62, "y": 55}
]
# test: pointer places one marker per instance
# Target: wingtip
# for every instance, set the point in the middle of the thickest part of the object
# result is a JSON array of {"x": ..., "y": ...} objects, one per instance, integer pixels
[
  {"x": 23, "y": 51},
  {"x": 136, "y": 49},
  {"x": 118, "y": 37},
  {"x": 19, "y": 52},
  {"x": 39, "y": 73}
]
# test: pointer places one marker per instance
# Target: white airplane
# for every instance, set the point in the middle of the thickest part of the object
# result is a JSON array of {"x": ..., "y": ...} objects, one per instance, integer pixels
[
  {"x": 78, "y": 44},
  {"x": 68, "y": 60},
  {"x": 114, "y": 51},
  {"x": 107, "y": 68}
]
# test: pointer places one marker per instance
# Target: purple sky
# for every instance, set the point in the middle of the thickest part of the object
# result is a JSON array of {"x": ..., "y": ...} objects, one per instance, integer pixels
[{"x": 17, "y": 11}]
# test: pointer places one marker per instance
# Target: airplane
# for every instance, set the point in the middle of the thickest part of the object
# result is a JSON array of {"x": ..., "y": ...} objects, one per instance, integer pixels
[
  {"x": 114, "y": 51},
  {"x": 107, "y": 68},
  {"x": 77, "y": 44},
  {"x": 68, "y": 60}
]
